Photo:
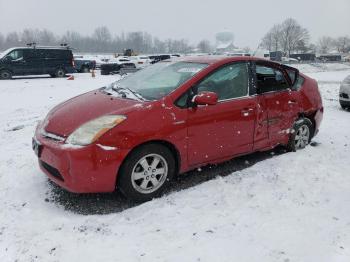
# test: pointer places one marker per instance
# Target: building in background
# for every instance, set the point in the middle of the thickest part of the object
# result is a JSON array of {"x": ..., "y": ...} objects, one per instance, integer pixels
[{"x": 224, "y": 42}]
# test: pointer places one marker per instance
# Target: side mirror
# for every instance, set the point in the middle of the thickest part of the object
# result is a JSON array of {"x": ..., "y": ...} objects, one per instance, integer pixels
[{"x": 205, "y": 98}]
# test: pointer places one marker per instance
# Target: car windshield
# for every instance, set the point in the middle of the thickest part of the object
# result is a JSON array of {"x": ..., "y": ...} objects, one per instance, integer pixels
[
  {"x": 3, "y": 54},
  {"x": 155, "y": 82}
]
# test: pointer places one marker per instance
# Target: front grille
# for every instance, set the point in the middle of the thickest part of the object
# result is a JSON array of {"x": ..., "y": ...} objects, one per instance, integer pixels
[
  {"x": 53, "y": 171},
  {"x": 343, "y": 95}
]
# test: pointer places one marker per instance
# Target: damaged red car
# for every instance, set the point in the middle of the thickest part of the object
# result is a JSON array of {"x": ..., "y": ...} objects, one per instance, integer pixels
[{"x": 137, "y": 133}]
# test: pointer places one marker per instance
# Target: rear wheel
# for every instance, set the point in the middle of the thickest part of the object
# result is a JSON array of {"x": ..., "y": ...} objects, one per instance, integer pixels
[
  {"x": 60, "y": 72},
  {"x": 301, "y": 135},
  {"x": 5, "y": 74},
  {"x": 146, "y": 172}
]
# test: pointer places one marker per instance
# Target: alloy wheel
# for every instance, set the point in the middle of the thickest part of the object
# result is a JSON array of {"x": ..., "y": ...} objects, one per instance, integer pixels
[
  {"x": 149, "y": 173},
  {"x": 302, "y": 137}
]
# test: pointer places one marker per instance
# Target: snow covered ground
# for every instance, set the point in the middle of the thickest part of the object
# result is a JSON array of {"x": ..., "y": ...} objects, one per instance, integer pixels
[{"x": 274, "y": 206}]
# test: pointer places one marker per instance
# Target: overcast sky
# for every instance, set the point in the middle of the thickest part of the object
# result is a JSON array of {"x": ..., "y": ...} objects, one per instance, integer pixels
[{"x": 194, "y": 20}]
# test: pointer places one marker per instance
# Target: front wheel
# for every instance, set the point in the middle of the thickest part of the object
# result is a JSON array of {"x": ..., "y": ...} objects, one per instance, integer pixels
[
  {"x": 5, "y": 74},
  {"x": 146, "y": 172},
  {"x": 301, "y": 135},
  {"x": 343, "y": 106}
]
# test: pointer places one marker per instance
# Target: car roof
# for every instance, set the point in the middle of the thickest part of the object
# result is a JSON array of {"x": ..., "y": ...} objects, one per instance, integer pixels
[{"x": 41, "y": 47}]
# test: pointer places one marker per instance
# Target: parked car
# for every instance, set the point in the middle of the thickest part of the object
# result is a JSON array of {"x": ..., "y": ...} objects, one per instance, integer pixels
[
  {"x": 289, "y": 59},
  {"x": 344, "y": 93},
  {"x": 169, "y": 118},
  {"x": 36, "y": 60},
  {"x": 83, "y": 65},
  {"x": 118, "y": 68},
  {"x": 140, "y": 61},
  {"x": 304, "y": 56},
  {"x": 157, "y": 58},
  {"x": 330, "y": 58}
]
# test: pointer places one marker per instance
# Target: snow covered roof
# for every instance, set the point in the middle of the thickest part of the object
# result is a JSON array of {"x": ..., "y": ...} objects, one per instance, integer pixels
[{"x": 224, "y": 45}]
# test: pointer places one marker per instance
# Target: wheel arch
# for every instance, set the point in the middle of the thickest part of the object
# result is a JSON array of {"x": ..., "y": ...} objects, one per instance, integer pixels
[
  {"x": 7, "y": 69},
  {"x": 311, "y": 116},
  {"x": 173, "y": 149}
]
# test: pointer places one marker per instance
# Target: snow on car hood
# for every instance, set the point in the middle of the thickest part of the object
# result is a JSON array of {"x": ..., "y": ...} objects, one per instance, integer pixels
[{"x": 68, "y": 116}]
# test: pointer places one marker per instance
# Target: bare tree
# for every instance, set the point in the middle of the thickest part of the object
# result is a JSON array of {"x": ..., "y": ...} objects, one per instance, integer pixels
[
  {"x": 293, "y": 35},
  {"x": 271, "y": 41},
  {"x": 342, "y": 44},
  {"x": 29, "y": 36},
  {"x": 325, "y": 44},
  {"x": 12, "y": 39},
  {"x": 204, "y": 46},
  {"x": 100, "y": 41},
  {"x": 46, "y": 37},
  {"x": 102, "y": 34}
]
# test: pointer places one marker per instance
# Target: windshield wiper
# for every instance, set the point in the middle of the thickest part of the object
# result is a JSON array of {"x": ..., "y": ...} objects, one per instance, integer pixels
[{"x": 120, "y": 89}]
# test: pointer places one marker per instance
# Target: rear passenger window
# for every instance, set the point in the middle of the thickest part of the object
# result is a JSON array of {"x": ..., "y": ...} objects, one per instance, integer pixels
[
  {"x": 270, "y": 79},
  {"x": 228, "y": 82}
]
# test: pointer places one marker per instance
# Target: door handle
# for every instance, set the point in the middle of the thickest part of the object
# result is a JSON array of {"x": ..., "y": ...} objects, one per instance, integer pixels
[
  {"x": 247, "y": 111},
  {"x": 291, "y": 102}
]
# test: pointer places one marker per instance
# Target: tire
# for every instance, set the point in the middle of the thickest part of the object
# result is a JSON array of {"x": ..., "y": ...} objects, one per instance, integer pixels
[
  {"x": 301, "y": 134},
  {"x": 146, "y": 172},
  {"x": 60, "y": 72},
  {"x": 85, "y": 69},
  {"x": 5, "y": 74},
  {"x": 343, "y": 106}
]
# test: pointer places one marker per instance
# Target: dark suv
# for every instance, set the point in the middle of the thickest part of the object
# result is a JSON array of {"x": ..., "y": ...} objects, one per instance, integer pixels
[{"x": 55, "y": 61}]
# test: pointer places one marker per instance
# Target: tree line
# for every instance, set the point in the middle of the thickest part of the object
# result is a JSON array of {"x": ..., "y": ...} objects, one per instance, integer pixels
[
  {"x": 101, "y": 40},
  {"x": 290, "y": 37}
]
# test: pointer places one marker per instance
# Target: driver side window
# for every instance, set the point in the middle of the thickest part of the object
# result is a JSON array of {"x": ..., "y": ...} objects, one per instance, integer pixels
[
  {"x": 16, "y": 54},
  {"x": 230, "y": 81}
]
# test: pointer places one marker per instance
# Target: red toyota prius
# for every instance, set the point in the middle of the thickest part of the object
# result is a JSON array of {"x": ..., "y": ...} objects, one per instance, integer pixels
[{"x": 137, "y": 133}]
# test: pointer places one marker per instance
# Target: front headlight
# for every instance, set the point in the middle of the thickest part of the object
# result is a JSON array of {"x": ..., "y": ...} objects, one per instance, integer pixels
[{"x": 92, "y": 130}]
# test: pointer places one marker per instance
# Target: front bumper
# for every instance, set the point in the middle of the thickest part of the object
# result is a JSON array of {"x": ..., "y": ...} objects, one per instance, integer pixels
[
  {"x": 344, "y": 99},
  {"x": 87, "y": 169},
  {"x": 344, "y": 103}
]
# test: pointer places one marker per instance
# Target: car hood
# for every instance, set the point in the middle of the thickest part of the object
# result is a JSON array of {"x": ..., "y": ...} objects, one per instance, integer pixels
[{"x": 68, "y": 116}]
